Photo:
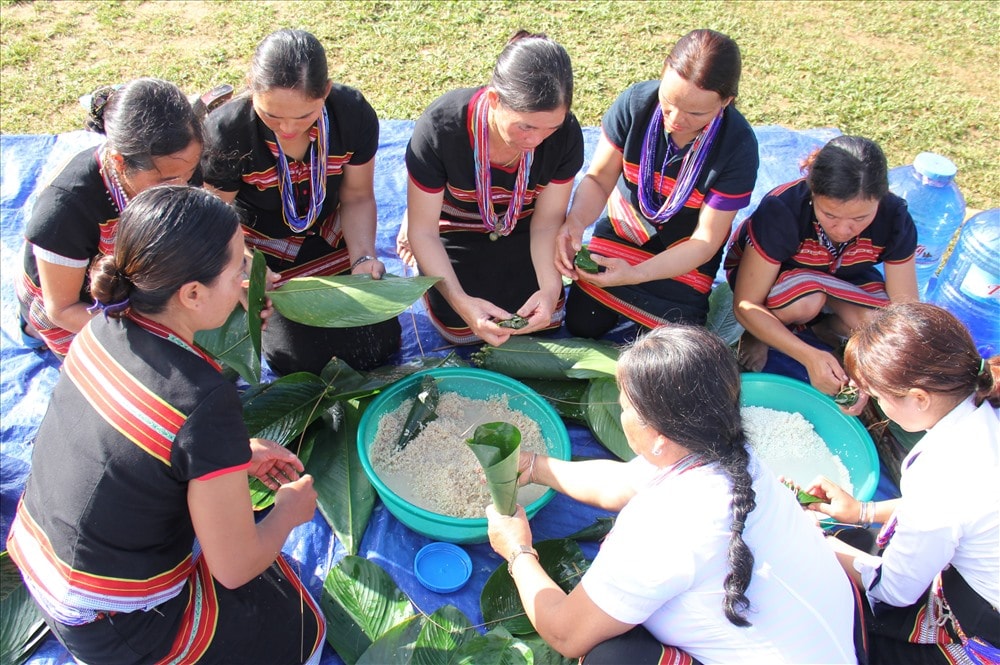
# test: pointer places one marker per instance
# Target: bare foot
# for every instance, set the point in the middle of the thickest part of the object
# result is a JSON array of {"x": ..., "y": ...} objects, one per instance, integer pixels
[
  {"x": 751, "y": 353},
  {"x": 826, "y": 330}
]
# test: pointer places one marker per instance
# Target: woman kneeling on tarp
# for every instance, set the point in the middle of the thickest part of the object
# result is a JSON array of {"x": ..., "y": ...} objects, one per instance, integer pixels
[
  {"x": 935, "y": 587},
  {"x": 135, "y": 534},
  {"x": 707, "y": 552}
]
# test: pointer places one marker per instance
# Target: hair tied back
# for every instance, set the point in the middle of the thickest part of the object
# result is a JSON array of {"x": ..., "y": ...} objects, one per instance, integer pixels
[{"x": 99, "y": 99}]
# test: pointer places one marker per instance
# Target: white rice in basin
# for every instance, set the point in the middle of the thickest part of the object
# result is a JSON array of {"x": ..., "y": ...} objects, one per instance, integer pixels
[
  {"x": 787, "y": 443},
  {"x": 437, "y": 471}
]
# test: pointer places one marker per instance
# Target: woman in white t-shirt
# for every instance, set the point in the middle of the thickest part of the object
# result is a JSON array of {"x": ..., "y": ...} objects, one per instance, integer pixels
[{"x": 708, "y": 551}]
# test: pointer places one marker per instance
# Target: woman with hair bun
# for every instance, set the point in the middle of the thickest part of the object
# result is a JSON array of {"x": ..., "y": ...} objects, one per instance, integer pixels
[
  {"x": 934, "y": 589},
  {"x": 491, "y": 171},
  {"x": 811, "y": 249},
  {"x": 674, "y": 164},
  {"x": 153, "y": 138},
  {"x": 708, "y": 553},
  {"x": 296, "y": 155},
  {"x": 136, "y": 535}
]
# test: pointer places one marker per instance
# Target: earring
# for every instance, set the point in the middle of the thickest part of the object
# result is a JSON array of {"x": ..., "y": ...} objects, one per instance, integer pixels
[{"x": 658, "y": 451}]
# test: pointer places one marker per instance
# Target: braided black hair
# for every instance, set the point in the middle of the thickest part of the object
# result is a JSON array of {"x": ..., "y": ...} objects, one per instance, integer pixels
[{"x": 684, "y": 382}]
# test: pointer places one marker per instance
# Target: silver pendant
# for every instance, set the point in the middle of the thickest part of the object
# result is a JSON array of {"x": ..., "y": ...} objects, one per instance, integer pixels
[{"x": 494, "y": 235}]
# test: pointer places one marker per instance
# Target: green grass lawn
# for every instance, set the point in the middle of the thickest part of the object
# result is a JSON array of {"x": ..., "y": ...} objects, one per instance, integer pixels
[{"x": 912, "y": 75}]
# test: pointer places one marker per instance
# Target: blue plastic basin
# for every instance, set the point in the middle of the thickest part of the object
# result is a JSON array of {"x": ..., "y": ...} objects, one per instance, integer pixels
[{"x": 474, "y": 384}]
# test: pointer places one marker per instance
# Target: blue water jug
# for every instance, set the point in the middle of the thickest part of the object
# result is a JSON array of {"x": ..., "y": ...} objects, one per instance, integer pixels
[
  {"x": 969, "y": 283},
  {"x": 936, "y": 205}
]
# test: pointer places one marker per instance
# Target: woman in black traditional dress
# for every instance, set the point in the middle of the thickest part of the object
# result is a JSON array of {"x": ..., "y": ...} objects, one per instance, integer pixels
[
  {"x": 136, "y": 535},
  {"x": 491, "y": 172},
  {"x": 296, "y": 155}
]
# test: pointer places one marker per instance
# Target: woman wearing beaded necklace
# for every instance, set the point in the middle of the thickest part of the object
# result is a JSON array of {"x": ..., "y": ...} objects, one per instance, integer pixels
[
  {"x": 810, "y": 251},
  {"x": 491, "y": 170},
  {"x": 674, "y": 164},
  {"x": 153, "y": 138},
  {"x": 296, "y": 155}
]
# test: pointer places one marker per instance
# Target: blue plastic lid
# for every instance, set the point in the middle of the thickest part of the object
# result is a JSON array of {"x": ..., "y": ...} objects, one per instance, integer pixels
[
  {"x": 934, "y": 166},
  {"x": 442, "y": 567}
]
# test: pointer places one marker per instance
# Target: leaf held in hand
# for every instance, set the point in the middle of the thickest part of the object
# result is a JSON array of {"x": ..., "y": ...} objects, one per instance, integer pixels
[
  {"x": 514, "y": 323},
  {"x": 497, "y": 447},
  {"x": 848, "y": 396},
  {"x": 584, "y": 262},
  {"x": 348, "y": 301}
]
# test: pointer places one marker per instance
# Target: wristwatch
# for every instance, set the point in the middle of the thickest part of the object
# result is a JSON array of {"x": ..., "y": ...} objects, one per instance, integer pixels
[{"x": 518, "y": 551}]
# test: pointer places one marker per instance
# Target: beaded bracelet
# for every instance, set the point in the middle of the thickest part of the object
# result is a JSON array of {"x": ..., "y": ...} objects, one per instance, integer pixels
[{"x": 366, "y": 257}]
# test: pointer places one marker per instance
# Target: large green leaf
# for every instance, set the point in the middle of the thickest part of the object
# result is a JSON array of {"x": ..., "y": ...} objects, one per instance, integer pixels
[
  {"x": 281, "y": 410},
  {"x": 348, "y": 301},
  {"x": 361, "y": 603},
  {"x": 596, "y": 531},
  {"x": 442, "y": 636},
  {"x": 396, "y": 645},
  {"x": 231, "y": 345},
  {"x": 500, "y": 602},
  {"x": 345, "y": 496},
  {"x": 22, "y": 628},
  {"x": 255, "y": 299},
  {"x": 527, "y": 357},
  {"x": 604, "y": 417},
  {"x": 497, "y": 647},
  {"x": 566, "y": 397},
  {"x": 543, "y": 654}
]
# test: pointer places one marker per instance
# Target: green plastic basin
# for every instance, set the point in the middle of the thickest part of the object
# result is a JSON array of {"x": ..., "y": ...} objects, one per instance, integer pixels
[
  {"x": 474, "y": 384},
  {"x": 844, "y": 435}
]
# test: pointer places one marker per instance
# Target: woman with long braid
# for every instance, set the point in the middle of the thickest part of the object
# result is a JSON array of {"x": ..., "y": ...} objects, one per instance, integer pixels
[{"x": 707, "y": 550}]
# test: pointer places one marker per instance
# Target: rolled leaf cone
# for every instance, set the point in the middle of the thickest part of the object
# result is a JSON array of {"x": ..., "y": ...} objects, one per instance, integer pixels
[
  {"x": 423, "y": 411},
  {"x": 498, "y": 448}
]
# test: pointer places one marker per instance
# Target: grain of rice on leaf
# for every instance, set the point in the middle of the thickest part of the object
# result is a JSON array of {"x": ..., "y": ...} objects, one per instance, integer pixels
[{"x": 348, "y": 301}]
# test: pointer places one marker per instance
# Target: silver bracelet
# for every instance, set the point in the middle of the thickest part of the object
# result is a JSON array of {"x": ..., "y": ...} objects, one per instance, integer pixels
[{"x": 366, "y": 257}]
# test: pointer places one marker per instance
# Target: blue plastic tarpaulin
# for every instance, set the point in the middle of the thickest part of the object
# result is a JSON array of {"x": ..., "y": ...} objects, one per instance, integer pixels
[{"x": 28, "y": 376}]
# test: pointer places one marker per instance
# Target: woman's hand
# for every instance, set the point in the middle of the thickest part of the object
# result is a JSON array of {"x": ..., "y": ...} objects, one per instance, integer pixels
[
  {"x": 273, "y": 464},
  {"x": 837, "y": 503},
  {"x": 825, "y": 373},
  {"x": 403, "y": 246},
  {"x": 372, "y": 267},
  {"x": 507, "y": 533},
  {"x": 859, "y": 406},
  {"x": 297, "y": 500},
  {"x": 569, "y": 240},
  {"x": 538, "y": 310},
  {"x": 482, "y": 316},
  {"x": 617, "y": 272}
]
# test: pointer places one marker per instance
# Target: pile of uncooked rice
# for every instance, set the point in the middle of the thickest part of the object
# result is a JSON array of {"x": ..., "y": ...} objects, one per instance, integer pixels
[
  {"x": 437, "y": 470},
  {"x": 787, "y": 443}
]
